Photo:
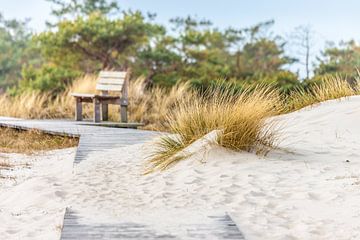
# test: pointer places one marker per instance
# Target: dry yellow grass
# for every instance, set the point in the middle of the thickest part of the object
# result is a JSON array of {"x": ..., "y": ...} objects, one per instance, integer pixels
[
  {"x": 19, "y": 141},
  {"x": 152, "y": 106},
  {"x": 146, "y": 106},
  {"x": 330, "y": 88},
  {"x": 241, "y": 118}
]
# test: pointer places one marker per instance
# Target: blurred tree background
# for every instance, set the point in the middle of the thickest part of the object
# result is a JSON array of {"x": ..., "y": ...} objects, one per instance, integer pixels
[{"x": 90, "y": 35}]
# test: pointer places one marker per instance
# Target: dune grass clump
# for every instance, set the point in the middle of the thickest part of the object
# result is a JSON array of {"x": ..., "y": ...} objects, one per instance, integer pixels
[
  {"x": 31, "y": 141},
  {"x": 241, "y": 118},
  {"x": 330, "y": 88}
]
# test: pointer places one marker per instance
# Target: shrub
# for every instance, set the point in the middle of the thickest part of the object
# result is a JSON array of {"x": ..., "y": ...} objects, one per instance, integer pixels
[{"x": 46, "y": 79}]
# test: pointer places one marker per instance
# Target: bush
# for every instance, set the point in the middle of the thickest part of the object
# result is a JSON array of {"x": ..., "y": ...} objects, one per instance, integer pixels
[
  {"x": 46, "y": 79},
  {"x": 284, "y": 81}
]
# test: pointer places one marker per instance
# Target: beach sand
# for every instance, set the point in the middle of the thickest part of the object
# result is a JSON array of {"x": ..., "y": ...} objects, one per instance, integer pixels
[{"x": 307, "y": 189}]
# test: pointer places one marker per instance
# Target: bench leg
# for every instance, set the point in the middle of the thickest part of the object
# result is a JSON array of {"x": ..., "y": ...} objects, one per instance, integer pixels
[
  {"x": 105, "y": 111},
  {"x": 96, "y": 110},
  {"x": 123, "y": 113},
  {"x": 78, "y": 110}
]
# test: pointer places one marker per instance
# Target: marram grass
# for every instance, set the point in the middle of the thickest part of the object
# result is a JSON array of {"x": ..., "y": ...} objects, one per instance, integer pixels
[
  {"x": 242, "y": 118},
  {"x": 330, "y": 88}
]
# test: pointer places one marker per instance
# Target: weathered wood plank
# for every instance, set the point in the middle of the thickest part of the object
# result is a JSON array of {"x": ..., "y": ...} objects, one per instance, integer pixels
[
  {"x": 112, "y": 74},
  {"x": 109, "y": 87},
  {"x": 83, "y": 95},
  {"x": 214, "y": 227},
  {"x": 111, "y": 81}
]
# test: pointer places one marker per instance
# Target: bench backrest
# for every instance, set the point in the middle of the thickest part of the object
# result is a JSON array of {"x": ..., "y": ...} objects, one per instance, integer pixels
[{"x": 112, "y": 81}]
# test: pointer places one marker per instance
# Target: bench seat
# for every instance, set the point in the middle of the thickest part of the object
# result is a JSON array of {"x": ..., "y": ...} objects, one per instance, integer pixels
[{"x": 92, "y": 96}]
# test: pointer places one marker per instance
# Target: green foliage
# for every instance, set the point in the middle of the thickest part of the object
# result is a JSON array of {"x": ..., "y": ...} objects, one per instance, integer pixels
[
  {"x": 14, "y": 41},
  {"x": 231, "y": 87},
  {"x": 96, "y": 42},
  {"x": 158, "y": 61},
  {"x": 343, "y": 60},
  {"x": 47, "y": 78},
  {"x": 201, "y": 54},
  {"x": 285, "y": 81},
  {"x": 264, "y": 56},
  {"x": 82, "y": 7}
]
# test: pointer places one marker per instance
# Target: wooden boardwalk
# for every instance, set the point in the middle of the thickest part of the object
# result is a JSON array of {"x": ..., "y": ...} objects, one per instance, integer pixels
[{"x": 94, "y": 140}]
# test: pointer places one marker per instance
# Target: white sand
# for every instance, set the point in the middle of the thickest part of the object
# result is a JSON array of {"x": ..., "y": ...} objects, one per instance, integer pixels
[
  {"x": 31, "y": 205},
  {"x": 309, "y": 190}
]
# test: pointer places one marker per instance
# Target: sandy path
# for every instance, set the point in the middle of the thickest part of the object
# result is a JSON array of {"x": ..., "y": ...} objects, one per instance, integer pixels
[
  {"x": 31, "y": 205},
  {"x": 309, "y": 190}
]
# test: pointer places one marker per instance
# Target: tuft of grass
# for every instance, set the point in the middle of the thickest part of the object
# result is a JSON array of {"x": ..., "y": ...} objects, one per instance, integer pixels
[
  {"x": 330, "y": 88},
  {"x": 31, "y": 141},
  {"x": 242, "y": 118}
]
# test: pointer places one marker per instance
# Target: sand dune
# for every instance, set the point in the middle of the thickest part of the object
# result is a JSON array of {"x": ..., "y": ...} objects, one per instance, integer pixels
[{"x": 307, "y": 189}]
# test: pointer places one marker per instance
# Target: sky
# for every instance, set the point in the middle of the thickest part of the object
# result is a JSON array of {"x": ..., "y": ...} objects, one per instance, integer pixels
[{"x": 331, "y": 20}]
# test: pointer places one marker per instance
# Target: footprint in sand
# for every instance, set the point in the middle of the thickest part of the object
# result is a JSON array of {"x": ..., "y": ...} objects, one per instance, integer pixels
[
  {"x": 12, "y": 231},
  {"x": 60, "y": 194},
  {"x": 193, "y": 180},
  {"x": 234, "y": 188},
  {"x": 257, "y": 194},
  {"x": 314, "y": 196}
]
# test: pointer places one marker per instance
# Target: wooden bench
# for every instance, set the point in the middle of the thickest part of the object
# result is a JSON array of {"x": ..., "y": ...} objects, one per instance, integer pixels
[{"x": 108, "y": 81}]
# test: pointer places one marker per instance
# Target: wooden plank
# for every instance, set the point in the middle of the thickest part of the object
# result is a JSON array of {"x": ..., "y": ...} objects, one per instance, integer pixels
[
  {"x": 74, "y": 229},
  {"x": 112, "y": 74},
  {"x": 107, "y": 87},
  {"x": 83, "y": 95},
  {"x": 115, "y": 81}
]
